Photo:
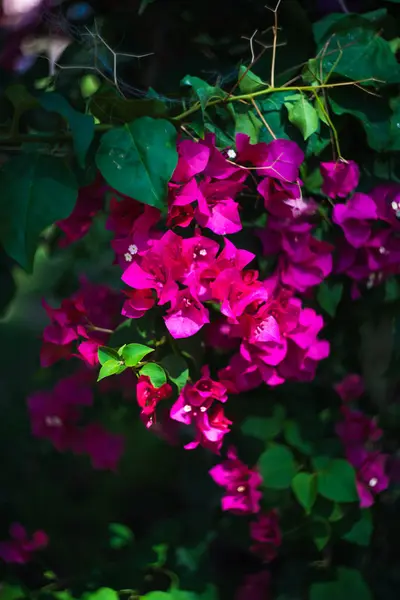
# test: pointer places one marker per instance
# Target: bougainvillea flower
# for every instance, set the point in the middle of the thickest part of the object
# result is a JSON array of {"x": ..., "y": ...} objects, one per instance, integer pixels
[
  {"x": 148, "y": 396},
  {"x": 241, "y": 494},
  {"x": 371, "y": 478},
  {"x": 256, "y": 586},
  {"x": 138, "y": 302},
  {"x": 357, "y": 428},
  {"x": 216, "y": 210},
  {"x": 354, "y": 218},
  {"x": 280, "y": 159},
  {"x": 186, "y": 316},
  {"x": 339, "y": 178},
  {"x": 103, "y": 447},
  {"x": 350, "y": 388},
  {"x": 266, "y": 535},
  {"x": 192, "y": 160},
  {"x": 20, "y": 548},
  {"x": 284, "y": 200}
]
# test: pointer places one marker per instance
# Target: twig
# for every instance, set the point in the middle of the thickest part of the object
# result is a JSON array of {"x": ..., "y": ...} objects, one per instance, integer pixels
[
  {"x": 275, "y": 33},
  {"x": 254, "y": 103}
]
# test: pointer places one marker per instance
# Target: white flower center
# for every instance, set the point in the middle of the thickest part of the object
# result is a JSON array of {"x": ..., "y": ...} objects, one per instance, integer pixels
[
  {"x": 231, "y": 153},
  {"x": 133, "y": 249},
  {"x": 187, "y": 408},
  {"x": 372, "y": 482},
  {"x": 53, "y": 421},
  {"x": 128, "y": 257}
]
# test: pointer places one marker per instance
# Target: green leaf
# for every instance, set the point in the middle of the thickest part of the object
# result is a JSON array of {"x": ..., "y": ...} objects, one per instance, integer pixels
[
  {"x": 372, "y": 112},
  {"x": 104, "y": 354},
  {"x": 361, "y": 531},
  {"x": 320, "y": 531},
  {"x": 36, "y": 191},
  {"x": 109, "y": 107},
  {"x": 133, "y": 354},
  {"x": 11, "y": 592},
  {"x": 82, "y": 126},
  {"x": 249, "y": 82},
  {"x": 120, "y": 535},
  {"x": 304, "y": 486},
  {"x": 265, "y": 428},
  {"x": 110, "y": 367},
  {"x": 360, "y": 54},
  {"x": 203, "y": 90},
  {"x": 155, "y": 372},
  {"x": 329, "y": 295},
  {"x": 249, "y": 124},
  {"x": 139, "y": 158},
  {"x": 101, "y": 594},
  {"x": 277, "y": 467},
  {"x": 303, "y": 115},
  {"x": 348, "y": 585},
  {"x": 177, "y": 370},
  {"x": 336, "y": 22},
  {"x": 294, "y": 437},
  {"x": 337, "y": 481}
]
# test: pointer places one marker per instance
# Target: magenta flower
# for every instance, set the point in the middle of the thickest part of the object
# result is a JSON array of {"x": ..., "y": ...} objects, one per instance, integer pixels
[
  {"x": 104, "y": 448},
  {"x": 216, "y": 208},
  {"x": 371, "y": 478},
  {"x": 284, "y": 200},
  {"x": 240, "y": 483},
  {"x": 255, "y": 587},
  {"x": 350, "y": 388},
  {"x": 357, "y": 429},
  {"x": 148, "y": 397},
  {"x": 54, "y": 414},
  {"x": 138, "y": 303},
  {"x": 192, "y": 160},
  {"x": 280, "y": 159},
  {"x": 88, "y": 204},
  {"x": 339, "y": 178},
  {"x": 266, "y": 535},
  {"x": 20, "y": 548},
  {"x": 186, "y": 316},
  {"x": 354, "y": 218}
]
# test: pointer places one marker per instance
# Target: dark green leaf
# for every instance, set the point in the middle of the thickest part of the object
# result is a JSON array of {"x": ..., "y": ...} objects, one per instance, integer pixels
[
  {"x": 335, "y": 22},
  {"x": 304, "y": 486},
  {"x": 109, "y": 107},
  {"x": 120, "y": 535},
  {"x": 303, "y": 115},
  {"x": 329, "y": 295},
  {"x": 348, "y": 585},
  {"x": 11, "y": 592},
  {"x": 321, "y": 532},
  {"x": 361, "y": 531},
  {"x": 177, "y": 369},
  {"x": 139, "y": 159},
  {"x": 82, "y": 126},
  {"x": 36, "y": 191},
  {"x": 249, "y": 124},
  {"x": 337, "y": 481},
  {"x": 277, "y": 467},
  {"x": 104, "y": 354},
  {"x": 133, "y": 354},
  {"x": 203, "y": 90},
  {"x": 155, "y": 372},
  {"x": 110, "y": 367},
  {"x": 294, "y": 438},
  {"x": 101, "y": 594},
  {"x": 265, "y": 428}
]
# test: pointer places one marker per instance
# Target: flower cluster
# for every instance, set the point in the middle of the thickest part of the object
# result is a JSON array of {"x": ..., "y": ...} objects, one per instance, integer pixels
[
  {"x": 82, "y": 323},
  {"x": 369, "y": 250},
  {"x": 20, "y": 548},
  {"x": 56, "y": 416},
  {"x": 358, "y": 434}
]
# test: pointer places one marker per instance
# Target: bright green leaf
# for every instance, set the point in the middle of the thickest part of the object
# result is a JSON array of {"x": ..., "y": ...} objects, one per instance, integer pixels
[
  {"x": 89, "y": 85},
  {"x": 110, "y": 367},
  {"x": 36, "y": 191},
  {"x": 337, "y": 481},
  {"x": 264, "y": 428},
  {"x": 11, "y": 592},
  {"x": 120, "y": 535},
  {"x": 249, "y": 124},
  {"x": 104, "y": 354},
  {"x": 82, "y": 126},
  {"x": 249, "y": 82},
  {"x": 304, "y": 486},
  {"x": 155, "y": 372},
  {"x": 101, "y": 594},
  {"x": 139, "y": 158},
  {"x": 277, "y": 467},
  {"x": 177, "y": 369},
  {"x": 303, "y": 115},
  {"x": 133, "y": 354},
  {"x": 329, "y": 296},
  {"x": 361, "y": 531}
]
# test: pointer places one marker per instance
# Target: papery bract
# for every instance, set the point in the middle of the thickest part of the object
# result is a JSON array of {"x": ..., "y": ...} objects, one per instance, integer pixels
[
  {"x": 20, "y": 548},
  {"x": 339, "y": 178}
]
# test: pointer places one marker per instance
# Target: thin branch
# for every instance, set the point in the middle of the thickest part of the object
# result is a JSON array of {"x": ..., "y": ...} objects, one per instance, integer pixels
[
  {"x": 254, "y": 103},
  {"x": 275, "y": 32}
]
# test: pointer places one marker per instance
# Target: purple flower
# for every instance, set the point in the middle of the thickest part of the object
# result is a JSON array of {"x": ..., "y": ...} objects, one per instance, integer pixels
[
  {"x": 357, "y": 429},
  {"x": 371, "y": 478},
  {"x": 193, "y": 159},
  {"x": 240, "y": 483},
  {"x": 104, "y": 448},
  {"x": 280, "y": 159},
  {"x": 266, "y": 535},
  {"x": 340, "y": 178},
  {"x": 20, "y": 548},
  {"x": 354, "y": 218},
  {"x": 186, "y": 316},
  {"x": 350, "y": 388}
]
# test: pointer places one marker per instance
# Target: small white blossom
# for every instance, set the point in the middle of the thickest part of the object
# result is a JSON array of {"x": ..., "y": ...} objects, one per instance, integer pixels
[
  {"x": 128, "y": 257},
  {"x": 133, "y": 249},
  {"x": 372, "y": 482},
  {"x": 231, "y": 153}
]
